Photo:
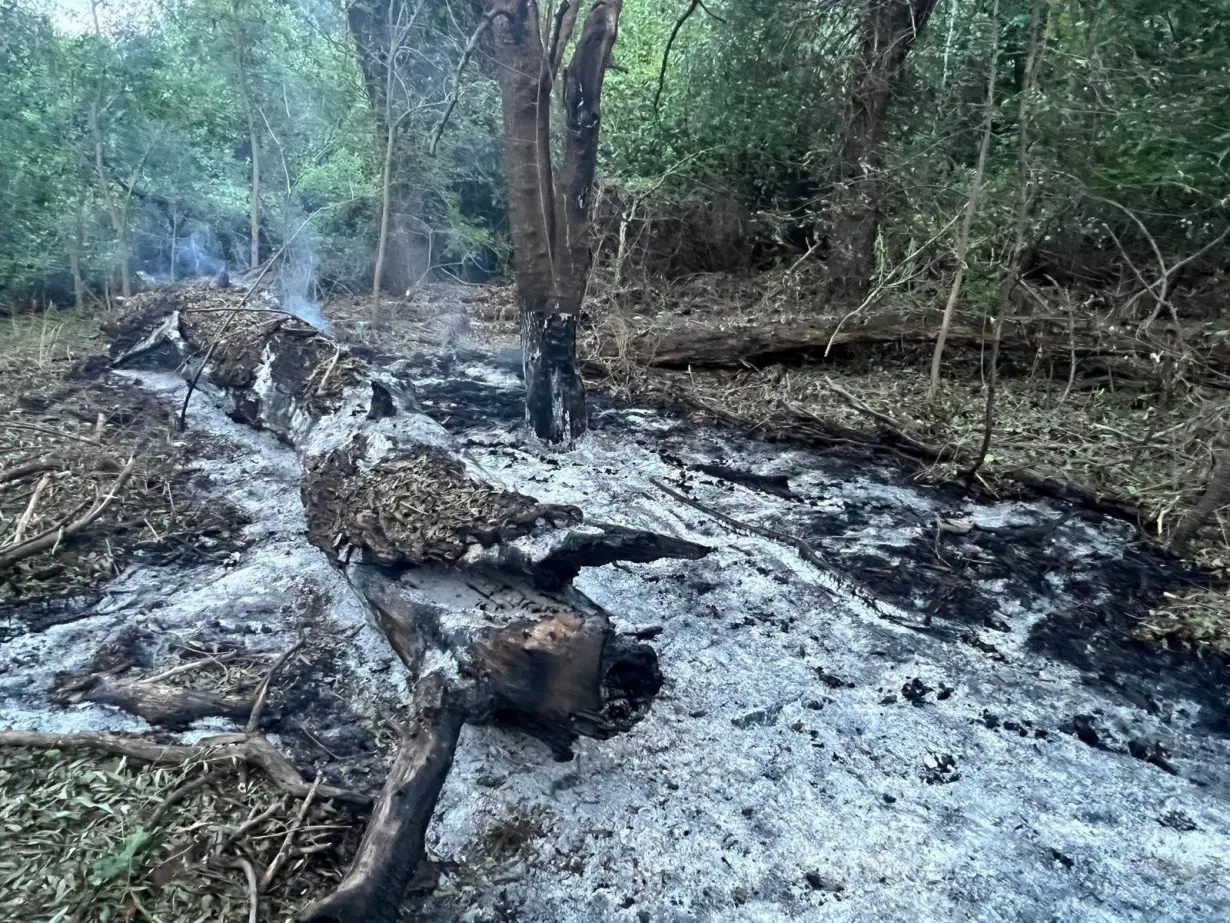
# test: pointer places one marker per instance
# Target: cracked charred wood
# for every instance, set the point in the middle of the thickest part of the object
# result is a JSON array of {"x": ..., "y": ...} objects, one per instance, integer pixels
[
  {"x": 273, "y": 371},
  {"x": 556, "y": 670},
  {"x": 393, "y": 845}
]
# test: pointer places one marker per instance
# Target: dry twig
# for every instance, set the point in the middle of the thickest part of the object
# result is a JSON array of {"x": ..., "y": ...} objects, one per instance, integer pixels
[
  {"x": 284, "y": 853},
  {"x": 262, "y": 691}
]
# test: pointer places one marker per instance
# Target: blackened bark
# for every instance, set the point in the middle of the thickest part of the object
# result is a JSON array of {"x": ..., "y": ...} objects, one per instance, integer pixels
[
  {"x": 554, "y": 393},
  {"x": 888, "y": 31}
]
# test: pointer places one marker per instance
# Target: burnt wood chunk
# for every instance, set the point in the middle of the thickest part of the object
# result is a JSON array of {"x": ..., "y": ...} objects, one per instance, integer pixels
[{"x": 161, "y": 704}]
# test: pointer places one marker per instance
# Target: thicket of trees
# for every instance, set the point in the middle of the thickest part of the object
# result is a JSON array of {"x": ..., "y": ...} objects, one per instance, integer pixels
[{"x": 170, "y": 135}]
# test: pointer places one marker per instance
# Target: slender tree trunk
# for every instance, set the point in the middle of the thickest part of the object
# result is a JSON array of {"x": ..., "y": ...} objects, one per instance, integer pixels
[
  {"x": 888, "y": 31},
  {"x": 245, "y": 97},
  {"x": 1033, "y": 61},
  {"x": 118, "y": 224},
  {"x": 386, "y": 198},
  {"x": 390, "y": 133},
  {"x": 381, "y": 29},
  {"x": 971, "y": 208},
  {"x": 255, "y": 211},
  {"x": 74, "y": 253},
  {"x": 174, "y": 237},
  {"x": 1012, "y": 270}
]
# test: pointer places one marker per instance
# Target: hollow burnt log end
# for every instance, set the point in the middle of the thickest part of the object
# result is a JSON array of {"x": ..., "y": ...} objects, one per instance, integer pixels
[
  {"x": 521, "y": 659},
  {"x": 564, "y": 676}
]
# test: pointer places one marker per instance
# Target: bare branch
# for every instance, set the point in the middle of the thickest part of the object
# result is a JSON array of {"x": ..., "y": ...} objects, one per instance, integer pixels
[
  {"x": 666, "y": 55},
  {"x": 471, "y": 45},
  {"x": 657, "y": 96}
]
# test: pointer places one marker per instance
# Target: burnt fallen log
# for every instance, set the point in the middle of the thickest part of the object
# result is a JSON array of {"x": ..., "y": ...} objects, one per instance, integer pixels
[
  {"x": 165, "y": 705},
  {"x": 1026, "y": 340},
  {"x": 469, "y": 583}
]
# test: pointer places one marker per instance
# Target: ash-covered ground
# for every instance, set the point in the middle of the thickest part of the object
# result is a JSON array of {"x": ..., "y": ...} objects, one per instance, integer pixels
[{"x": 946, "y": 723}]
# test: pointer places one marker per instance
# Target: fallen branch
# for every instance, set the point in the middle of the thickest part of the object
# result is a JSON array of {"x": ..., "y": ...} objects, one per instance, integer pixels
[
  {"x": 38, "y": 466},
  {"x": 168, "y": 706},
  {"x": 262, "y": 691},
  {"x": 249, "y": 872},
  {"x": 805, "y": 550},
  {"x": 23, "y": 522},
  {"x": 284, "y": 852},
  {"x": 1080, "y": 497},
  {"x": 251, "y": 750},
  {"x": 181, "y": 793},
  {"x": 923, "y": 448},
  {"x": 35, "y": 428},
  {"x": 395, "y": 839}
]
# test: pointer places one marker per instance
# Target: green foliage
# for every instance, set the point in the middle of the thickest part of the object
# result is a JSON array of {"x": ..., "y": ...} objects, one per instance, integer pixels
[
  {"x": 172, "y": 95},
  {"x": 1132, "y": 104},
  {"x": 118, "y": 864}
]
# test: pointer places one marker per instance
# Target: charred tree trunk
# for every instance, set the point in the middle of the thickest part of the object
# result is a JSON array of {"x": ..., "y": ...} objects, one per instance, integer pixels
[
  {"x": 549, "y": 216},
  {"x": 888, "y": 31},
  {"x": 468, "y": 583}
]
